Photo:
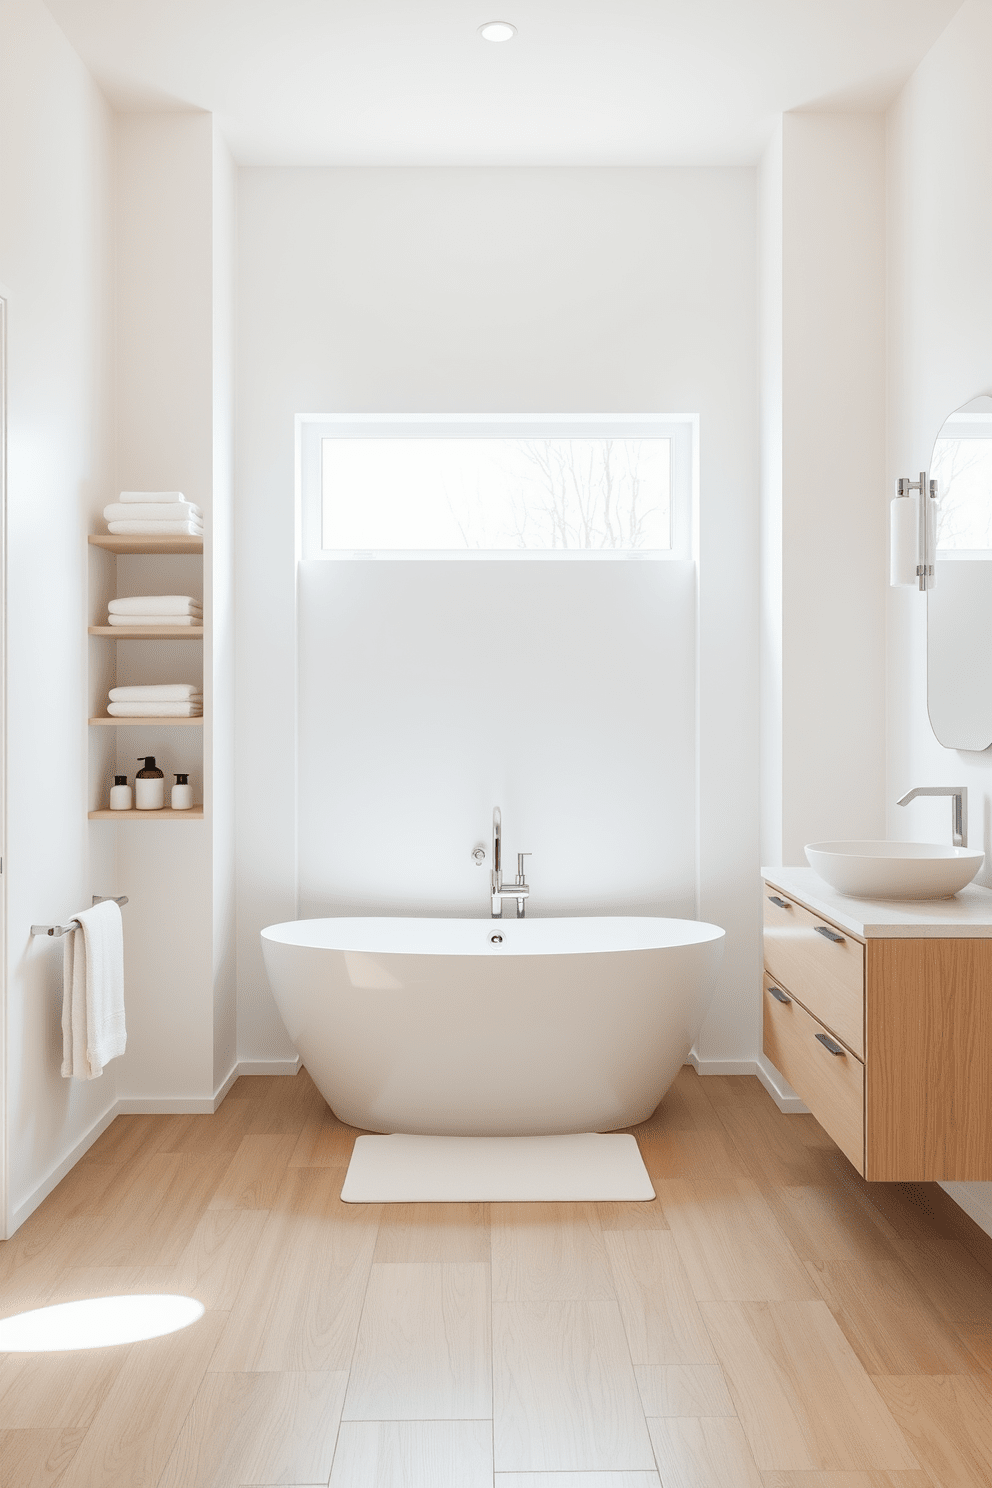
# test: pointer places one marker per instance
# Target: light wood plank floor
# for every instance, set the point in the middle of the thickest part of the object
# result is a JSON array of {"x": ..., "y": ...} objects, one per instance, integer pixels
[{"x": 771, "y": 1321}]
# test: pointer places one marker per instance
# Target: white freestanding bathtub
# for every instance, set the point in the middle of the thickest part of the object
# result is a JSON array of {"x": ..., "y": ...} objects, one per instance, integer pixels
[{"x": 492, "y": 1027}]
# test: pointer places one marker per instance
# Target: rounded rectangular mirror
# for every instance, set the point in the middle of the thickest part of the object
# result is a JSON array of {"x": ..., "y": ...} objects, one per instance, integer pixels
[{"x": 959, "y": 606}]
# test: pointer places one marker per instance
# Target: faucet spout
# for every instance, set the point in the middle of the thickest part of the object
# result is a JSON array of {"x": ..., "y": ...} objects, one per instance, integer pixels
[
  {"x": 959, "y": 807},
  {"x": 519, "y": 889}
]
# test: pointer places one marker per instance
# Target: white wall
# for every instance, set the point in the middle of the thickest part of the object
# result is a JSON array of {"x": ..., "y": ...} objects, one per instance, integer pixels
[
  {"x": 940, "y": 356},
  {"x": 413, "y": 726},
  {"x": 770, "y": 213},
  {"x": 174, "y": 422},
  {"x": 219, "y": 738},
  {"x": 499, "y": 291},
  {"x": 56, "y": 152},
  {"x": 824, "y": 513}
]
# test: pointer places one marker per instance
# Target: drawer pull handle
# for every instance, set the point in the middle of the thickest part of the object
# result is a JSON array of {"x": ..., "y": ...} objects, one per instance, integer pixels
[
  {"x": 829, "y": 1043},
  {"x": 782, "y": 903},
  {"x": 829, "y": 934},
  {"x": 779, "y": 995}
]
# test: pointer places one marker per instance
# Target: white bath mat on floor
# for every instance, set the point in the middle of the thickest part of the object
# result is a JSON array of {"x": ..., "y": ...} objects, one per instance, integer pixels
[{"x": 586, "y": 1168}]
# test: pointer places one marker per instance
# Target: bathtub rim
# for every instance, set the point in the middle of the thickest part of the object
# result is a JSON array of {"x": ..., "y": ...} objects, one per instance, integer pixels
[{"x": 361, "y": 938}]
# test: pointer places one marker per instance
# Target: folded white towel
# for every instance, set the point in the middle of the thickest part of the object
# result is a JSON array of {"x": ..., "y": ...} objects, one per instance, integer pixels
[
  {"x": 156, "y": 604},
  {"x": 155, "y": 619},
  {"x": 157, "y": 511},
  {"x": 155, "y": 529},
  {"x": 169, "y": 692},
  {"x": 93, "y": 1030},
  {"x": 191, "y": 709},
  {"x": 151, "y": 496}
]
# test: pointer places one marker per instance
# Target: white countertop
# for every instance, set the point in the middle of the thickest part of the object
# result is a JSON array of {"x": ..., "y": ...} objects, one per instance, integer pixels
[{"x": 968, "y": 915}]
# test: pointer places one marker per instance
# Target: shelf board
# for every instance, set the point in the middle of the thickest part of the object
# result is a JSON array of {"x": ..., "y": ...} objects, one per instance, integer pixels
[
  {"x": 194, "y": 813},
  {"x": 109, "y": 722},
  {"x": 149, "y": 632},
  {"x": 116, "y": 544}
]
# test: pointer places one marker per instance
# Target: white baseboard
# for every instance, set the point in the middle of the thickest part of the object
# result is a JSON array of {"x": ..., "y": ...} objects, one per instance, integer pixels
[
  {"x": 27, "y": 1206},
  {"x": 178, "y": 1105},
  {"x": 781, "y": 1093},
  {"x": 185, "y": 1105},
  {"x": 721, "y": 1066},
  {"x": 779, "y": 1089},
  {"x": 166, "y": 1105},
  {"x": 269, "y": 1066}
]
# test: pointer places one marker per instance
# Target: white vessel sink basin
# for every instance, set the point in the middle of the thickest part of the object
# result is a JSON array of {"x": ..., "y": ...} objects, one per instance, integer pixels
[{"x": 894, "y": 870}]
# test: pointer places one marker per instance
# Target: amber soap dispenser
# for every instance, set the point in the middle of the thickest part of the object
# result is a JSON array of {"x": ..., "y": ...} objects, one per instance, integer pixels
[{"x": 149, "y": 786}]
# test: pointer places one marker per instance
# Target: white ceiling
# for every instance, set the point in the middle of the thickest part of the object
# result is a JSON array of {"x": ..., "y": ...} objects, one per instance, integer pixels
[{"x": 409, "y": 82}]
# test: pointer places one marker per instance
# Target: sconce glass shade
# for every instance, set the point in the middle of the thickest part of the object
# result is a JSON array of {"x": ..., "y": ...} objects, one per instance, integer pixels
[{"x": 904, "y": 541}]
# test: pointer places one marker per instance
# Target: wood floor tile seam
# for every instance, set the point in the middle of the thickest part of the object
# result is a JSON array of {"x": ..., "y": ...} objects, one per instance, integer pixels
[
  {"x": 337, "y": 1433},
  {"x": 630, "y": 1355},
  {"x": 448, "y": 1301},
  {"x": 407, "y": 1420},
  {"x": 193, "y": 1397},
  {"x": 358, "y": 1326},
  {"x": 705, "y": 1416}
]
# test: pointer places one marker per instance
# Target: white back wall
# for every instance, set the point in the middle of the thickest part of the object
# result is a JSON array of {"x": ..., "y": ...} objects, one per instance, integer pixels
[
  {"x": 56, "y": 215},
  {"x": 413, "y": 726},
  {"x": 500, "y": 291},
  {"x": 940, "y": 356},
  {"x": 823, "y": 507}
]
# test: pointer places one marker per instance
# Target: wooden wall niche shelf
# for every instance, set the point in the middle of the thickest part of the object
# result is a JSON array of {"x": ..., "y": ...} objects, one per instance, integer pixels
[
  {"x": 887, "y": 1037},
  {"x": 116, "y": 544},
  {"x": 148, "y": 632},
  {"x": 146, "y": 722},
  {"x": 195, "y": 813},
  {"x": 163, "y": 582}
]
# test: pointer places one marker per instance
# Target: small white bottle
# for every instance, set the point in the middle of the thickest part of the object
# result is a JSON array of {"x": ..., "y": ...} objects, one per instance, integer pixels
[
  {"x": 120, "y": 794},
  {"x": 149, "y": 786},
  {"x": 182, "y": 794}
]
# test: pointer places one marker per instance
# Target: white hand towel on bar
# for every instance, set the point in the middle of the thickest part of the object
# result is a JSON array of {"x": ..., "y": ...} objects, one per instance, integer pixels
[
  {"x": 191, "y": 709},
  {"x": 93, "y": 1030},
  {"x": 156, "y": 604},
  {"x": 154, "y": 620},
  {"x": 163, "y": 692},
  {"x": 151, "y": 496},
  {"x": 155, "y": 529},
  {"x": 156, "y": 511}
]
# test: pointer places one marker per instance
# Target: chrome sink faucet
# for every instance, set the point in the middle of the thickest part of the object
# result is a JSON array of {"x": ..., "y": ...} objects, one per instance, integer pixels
[
  {"x": 519, "y": 889},
  {"x": 959, "y": 807}
]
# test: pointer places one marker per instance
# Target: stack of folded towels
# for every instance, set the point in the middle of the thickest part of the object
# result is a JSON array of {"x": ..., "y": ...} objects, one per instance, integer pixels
[
  {"x": 156, "y": 609},
  {"x": 169, "y": 700},
  {"x": 153, "y": 514}
]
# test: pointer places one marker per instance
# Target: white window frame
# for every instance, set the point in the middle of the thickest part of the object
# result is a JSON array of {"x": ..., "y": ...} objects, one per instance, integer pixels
[{"x": 681, "y": 429}]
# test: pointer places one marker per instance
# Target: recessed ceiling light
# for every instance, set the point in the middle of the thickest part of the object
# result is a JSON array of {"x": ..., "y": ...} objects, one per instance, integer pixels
[
  {"x": 497, "y": 31},
  {"x": 97, "y": 1322}
]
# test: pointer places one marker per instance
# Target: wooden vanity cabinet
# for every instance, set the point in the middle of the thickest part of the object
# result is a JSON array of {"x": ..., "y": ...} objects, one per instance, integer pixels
[{"x": 887, "y": 1039}]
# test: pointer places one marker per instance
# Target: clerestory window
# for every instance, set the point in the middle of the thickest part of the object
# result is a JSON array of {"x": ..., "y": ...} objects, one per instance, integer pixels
[{"x": 535, "y": 488}]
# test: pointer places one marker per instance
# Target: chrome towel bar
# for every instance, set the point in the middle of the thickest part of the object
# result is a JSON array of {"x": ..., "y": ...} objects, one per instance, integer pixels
[{"x": 73, "y": 924}]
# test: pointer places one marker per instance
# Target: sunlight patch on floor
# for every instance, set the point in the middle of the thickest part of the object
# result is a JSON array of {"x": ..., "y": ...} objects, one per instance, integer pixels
[{"x": 96, "y": 1322}]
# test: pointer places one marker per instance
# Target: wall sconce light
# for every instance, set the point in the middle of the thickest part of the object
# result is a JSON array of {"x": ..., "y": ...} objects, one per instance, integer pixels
[{"x": 913, "y": 533}]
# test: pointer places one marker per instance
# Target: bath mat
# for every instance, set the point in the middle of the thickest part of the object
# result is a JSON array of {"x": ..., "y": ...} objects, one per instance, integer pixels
[{"x": 586, "y": 1168}]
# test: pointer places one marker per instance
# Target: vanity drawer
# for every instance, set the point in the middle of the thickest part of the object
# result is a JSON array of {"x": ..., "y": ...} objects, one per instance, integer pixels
[
  {"x": 819, "y": 965},
  {"x": 832, "y": 1084}
]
